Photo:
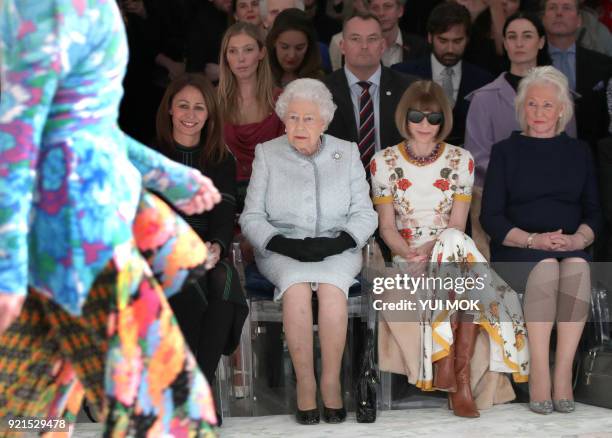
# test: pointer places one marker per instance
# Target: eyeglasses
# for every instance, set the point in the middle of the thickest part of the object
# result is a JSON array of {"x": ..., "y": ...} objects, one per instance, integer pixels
[{"x": 415, "y": 116}]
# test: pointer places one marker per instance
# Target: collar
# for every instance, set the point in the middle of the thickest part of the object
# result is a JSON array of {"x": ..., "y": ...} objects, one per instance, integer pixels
[
  {"x": 352, "y": 79},
  {"x": 555, "y": 50},
  {"x": 437, "y": 67},
  {"x": 399, "y": 40}
]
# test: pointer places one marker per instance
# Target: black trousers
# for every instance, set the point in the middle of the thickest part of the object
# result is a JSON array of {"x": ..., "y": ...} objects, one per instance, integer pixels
[{"x": 208, "y": 318}]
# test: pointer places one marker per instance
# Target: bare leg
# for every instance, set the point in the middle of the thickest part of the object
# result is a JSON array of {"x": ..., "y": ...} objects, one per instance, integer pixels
[
  {"x": 297, "y": 323},
  {"x": 573, "y": 305},
  {"x": 540, "y": 310},
  {"x": 333, "y": 320}
]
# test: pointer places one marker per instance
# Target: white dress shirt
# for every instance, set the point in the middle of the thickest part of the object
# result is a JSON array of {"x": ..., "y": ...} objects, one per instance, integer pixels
[
  {"x": 436, "y": 74},
  {"x": 395, "y": 52}
]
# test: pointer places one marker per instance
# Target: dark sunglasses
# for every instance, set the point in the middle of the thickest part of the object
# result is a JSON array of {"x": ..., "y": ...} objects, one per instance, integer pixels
[{"x": 415, "y": 116}]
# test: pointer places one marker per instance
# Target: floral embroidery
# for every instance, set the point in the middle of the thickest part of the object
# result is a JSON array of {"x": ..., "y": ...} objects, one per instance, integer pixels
[
  {"x": 471, "y": 166},
  {"x": 403, "y": 184},
  {"x": 373, "y": 167},
  {"x": 442, "y": 184},
  {"x": 406, "y": 233}
]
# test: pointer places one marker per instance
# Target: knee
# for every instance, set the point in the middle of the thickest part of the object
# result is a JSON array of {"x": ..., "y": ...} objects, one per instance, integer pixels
[{"x": 452, "y": 235}]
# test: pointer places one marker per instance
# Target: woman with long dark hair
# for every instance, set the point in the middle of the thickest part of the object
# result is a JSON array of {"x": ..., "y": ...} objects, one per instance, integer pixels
[
  {"x": 189, "y": 130},
  {"x": 293, "y": 48}
]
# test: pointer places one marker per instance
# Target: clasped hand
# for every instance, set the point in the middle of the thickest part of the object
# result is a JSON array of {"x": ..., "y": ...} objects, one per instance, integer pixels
[
  {"x": 418, "y": 257},
  {"x": 557, "y": 241}
]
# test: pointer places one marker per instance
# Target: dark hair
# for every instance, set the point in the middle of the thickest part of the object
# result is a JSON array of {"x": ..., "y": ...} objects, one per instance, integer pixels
[
  {"x": 211, "y": 138},
  {"x": 294, "y": 19},
  {"x": 365, "y": 17},
  {"x": 533, "y": 18},
  {"x": 543, "y": 4},
  {"x": 446, "y": 15}
]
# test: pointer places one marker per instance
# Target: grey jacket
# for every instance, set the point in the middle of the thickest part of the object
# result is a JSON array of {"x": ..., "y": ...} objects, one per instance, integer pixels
[{"x": 300, "y": 196}]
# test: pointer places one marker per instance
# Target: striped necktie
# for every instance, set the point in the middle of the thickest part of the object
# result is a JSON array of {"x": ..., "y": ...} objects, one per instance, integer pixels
[{"x": 367, "y": 131}]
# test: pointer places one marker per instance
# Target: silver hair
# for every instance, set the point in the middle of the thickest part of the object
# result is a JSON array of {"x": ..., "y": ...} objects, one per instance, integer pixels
[
  {"x": 545, "y": 75},
  {"x": 307, "y": 89},
  {"x": 263, "y": 7}
]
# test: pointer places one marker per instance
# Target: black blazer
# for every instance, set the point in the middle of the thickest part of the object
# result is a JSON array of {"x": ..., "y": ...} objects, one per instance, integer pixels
[
  {"x": 472, "y": 78},
  {"x": 593, "y": 70},
  {"x": 344, "y": 125}
]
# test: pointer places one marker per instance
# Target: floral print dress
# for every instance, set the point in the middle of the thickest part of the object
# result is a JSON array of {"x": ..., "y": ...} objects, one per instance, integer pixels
[{"x": 422, "y": 196}]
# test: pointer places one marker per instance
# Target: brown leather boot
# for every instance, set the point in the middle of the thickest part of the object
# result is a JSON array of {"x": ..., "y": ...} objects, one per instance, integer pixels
[
  {"x": 444, "y": 369},
  {"x": 462, "y": 401}
]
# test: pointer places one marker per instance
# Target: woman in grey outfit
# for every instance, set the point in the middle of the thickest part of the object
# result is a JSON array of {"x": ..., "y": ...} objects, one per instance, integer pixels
[{"x": 308, "y": 213}]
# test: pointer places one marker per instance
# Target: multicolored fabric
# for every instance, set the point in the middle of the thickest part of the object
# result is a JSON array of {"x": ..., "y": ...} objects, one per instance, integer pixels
[
  {"x": 70, "y": 180},
  {"x": 171, "y": 247},
  {"x": 126, "y": 354}
]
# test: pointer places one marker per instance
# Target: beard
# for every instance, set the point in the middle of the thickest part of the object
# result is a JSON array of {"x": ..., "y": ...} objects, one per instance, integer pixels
[{"x": 448, "y": 59}]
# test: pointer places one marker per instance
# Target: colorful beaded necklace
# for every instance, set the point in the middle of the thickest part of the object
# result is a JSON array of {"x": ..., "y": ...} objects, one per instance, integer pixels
[{"x": 423, "y": 161}]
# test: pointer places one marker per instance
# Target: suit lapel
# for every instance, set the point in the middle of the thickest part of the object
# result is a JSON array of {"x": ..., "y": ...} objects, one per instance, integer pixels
[{"x": 345, "y": 105}]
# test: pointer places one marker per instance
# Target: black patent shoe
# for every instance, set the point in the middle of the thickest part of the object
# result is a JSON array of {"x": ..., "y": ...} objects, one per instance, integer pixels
[
  {"x": 308, "y": 417},
  {"x": 334, "y": 416}
]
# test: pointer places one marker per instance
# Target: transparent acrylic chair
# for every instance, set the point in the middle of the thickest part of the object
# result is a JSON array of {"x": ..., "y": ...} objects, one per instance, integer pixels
[
  {"x": 394, "y": 391},
  {"x": 263, "y": 357}
]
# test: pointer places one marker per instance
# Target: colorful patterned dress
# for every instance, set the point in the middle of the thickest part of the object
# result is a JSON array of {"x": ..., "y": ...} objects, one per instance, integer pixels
[
  {"x": 74, "y": 227},
  {"x": 423, "y": 196}
]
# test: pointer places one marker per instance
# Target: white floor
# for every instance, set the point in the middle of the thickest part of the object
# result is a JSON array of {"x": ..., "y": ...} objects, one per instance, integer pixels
[{"x": 511, "y": 420}]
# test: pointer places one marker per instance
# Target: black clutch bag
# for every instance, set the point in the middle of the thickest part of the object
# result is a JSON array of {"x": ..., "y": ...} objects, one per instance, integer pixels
[{"x": 365, "y": 392}]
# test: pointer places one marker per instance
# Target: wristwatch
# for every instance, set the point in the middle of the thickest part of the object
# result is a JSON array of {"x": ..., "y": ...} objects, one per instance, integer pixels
[{"x": 530, "y": 240}]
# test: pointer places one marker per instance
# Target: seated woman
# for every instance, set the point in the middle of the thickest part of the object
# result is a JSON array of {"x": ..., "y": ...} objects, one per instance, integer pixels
[
  {"x": 246, "y": 96},
  {"x": 308, "y": 214},
  {"x": 422, "y": 190},
  {"x": 212, "y": 311},
  {"x": 491, "y": 114},
  {"x": 540, "y": 205},
  {"x": 293, "y": 47}
]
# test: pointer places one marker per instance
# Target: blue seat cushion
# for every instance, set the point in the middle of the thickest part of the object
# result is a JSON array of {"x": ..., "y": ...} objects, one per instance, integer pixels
[{"x": 259, "y": 287}]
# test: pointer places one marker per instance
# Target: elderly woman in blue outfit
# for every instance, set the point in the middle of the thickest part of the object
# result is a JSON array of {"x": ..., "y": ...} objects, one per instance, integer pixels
[{"x": 308, "y": 213}]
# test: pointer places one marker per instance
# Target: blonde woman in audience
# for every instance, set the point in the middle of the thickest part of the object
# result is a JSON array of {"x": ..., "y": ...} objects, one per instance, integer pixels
[{"x": 247, "y": 95}]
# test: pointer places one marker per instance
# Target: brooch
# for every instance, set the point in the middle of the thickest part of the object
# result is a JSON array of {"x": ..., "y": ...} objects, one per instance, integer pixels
[{"x": 336, "y": 155}]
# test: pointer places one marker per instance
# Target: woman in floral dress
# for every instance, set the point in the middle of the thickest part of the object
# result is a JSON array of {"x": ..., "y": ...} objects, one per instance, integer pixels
[{"x": 422, "y": 192}]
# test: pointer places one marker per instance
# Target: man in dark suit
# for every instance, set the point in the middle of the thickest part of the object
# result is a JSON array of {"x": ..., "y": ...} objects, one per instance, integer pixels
[
  {"x": 587, "y": 71},
  {"x": 448, "y": 32},
  {"x": 401, "y": 45},
  {"x": 362, "y": 45}
]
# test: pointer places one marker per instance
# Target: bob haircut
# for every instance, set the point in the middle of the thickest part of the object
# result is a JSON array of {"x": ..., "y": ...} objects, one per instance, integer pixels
[
  {"x": 211, "y": 137},
  {"x": 307, "y": 89},
  {"x": 424, "y": 96},
  {"x": 546, "y": 75}
]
